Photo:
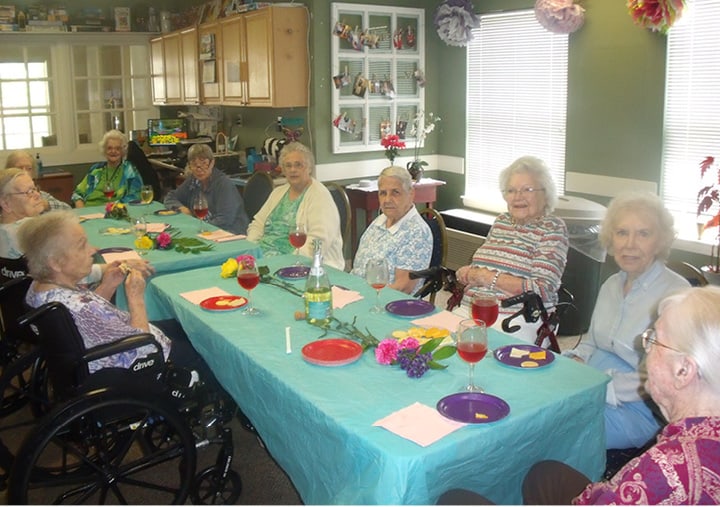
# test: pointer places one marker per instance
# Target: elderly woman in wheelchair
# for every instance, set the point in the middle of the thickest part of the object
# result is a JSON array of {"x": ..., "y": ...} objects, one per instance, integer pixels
[{"x": 130, "y": 405}]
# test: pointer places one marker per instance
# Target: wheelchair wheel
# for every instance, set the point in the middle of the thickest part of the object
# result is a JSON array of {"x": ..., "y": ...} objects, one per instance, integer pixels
[
  {"x": 15, "y": 383},
  {"x": 211, "y": 489},
  {"x": 93, "y": 450}
]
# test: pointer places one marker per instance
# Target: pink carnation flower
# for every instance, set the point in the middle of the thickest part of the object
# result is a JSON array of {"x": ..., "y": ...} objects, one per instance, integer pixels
[
  {"x": 109, "y": 207},
  {"x": 164, "y": 240},
  {"x": 386, "y": 351},
  {"x": 246, "y": 260},
  {"x": 409, "y": 343}
]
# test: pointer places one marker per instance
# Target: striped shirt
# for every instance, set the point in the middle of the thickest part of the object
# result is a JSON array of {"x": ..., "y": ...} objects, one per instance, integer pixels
[{"x": 535, "y": 252}]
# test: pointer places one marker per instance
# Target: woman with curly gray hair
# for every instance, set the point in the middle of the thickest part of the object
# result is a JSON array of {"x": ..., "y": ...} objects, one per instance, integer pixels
[{"x": 638, "y": 232}]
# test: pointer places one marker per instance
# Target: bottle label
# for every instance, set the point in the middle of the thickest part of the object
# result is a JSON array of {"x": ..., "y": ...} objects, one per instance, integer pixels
[{"x": 318, "y": 305}]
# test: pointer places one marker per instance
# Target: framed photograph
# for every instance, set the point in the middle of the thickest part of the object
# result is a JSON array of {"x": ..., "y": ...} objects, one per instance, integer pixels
[
  {"x": 122, "y": 19},
  {"x": 207, "y": 46}
]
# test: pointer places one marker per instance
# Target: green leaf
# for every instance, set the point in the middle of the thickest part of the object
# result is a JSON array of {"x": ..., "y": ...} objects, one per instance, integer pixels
[
  {"x": 430, "y": 345},
  {"x": 444, "y": 352},
  {"x": 436, "y": 366},
  {"x": 263, "y": 270}
]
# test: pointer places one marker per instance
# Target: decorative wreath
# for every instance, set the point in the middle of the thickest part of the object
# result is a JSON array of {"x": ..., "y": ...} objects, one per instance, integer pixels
[
  {"x": 454, "y": 21},
  {"x": 657, "y": 15},
  {"x": 559, "y": 16}
]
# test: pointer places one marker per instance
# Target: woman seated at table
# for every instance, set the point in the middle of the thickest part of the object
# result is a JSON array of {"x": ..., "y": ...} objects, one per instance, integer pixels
[
  {"x": 21, "y": 159},
  {"x": 59, "y": 257},
  {"x": 226, "y": 209},
  {"x": 301, "y": 201},
  {"x": 526, "y": 248},
  {"x": 19, "y": 201},
  {"x": 398, "y": 234},
  {"x": 116, "y": 179},
  {"x": 638, "y": 232},
  {"x": 683, "y": 379}
]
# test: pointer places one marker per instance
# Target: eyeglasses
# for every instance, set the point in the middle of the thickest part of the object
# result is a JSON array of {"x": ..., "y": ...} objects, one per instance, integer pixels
[
  {"x": 512, "y": 192},
  {"x": 649, "y": 337},
  {"x": 296, "y": 165},
  {"x": 199, "y": 165},
  {"x": 29, "y": 192}
]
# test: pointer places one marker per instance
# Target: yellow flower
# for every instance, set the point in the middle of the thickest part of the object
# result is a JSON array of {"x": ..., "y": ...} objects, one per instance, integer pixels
[
  {"x": 144, "y": 243},
  {"x": 229, "y": 268},
  {"x": 120, "y": 205}
]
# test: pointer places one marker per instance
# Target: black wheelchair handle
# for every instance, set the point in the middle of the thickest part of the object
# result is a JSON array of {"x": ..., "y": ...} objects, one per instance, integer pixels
[
  {"x": 430, "y": 272},
  {"x": 520, "y": 298}
]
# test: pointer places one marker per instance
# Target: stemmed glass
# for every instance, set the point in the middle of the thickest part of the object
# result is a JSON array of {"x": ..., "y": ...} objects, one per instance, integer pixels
[
  {"x": 200, "y": 209},
  {"x": 248, "y": 278},
  {"x": 146, "y": 194},
  {"x": 471, "y": 342},
  {"x": 297, "y": 237},
  {"x": 377, "y": 274},
  {"x": 108, "y": 191},
  {"x": 485, "y": 307},
  {"x": 140, "y": 230}
]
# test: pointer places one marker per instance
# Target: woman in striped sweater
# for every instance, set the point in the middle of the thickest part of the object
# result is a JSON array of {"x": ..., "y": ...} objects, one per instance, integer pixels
[{"x": 526, "y": 248}]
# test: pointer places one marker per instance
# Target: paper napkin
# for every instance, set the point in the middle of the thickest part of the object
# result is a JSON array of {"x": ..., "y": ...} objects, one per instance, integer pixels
[
  {"x": 91, "y": 216},
  {"x": 200, "y": 295},
  {"x": 156, "y": 227},
  {"x": 120, "y": 256},
  {"x": 443, "y": 319},
  {"x": 419, "y": 423},
  {"x": 343, "y": 297},
  {"x": 221, "y": 236}
]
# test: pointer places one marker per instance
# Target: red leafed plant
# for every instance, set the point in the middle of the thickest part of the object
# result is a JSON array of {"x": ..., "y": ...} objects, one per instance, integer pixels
[{"x": 708, "y": 199}]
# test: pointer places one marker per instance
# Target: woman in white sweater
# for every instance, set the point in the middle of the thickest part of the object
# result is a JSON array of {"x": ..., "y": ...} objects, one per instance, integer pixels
[{"x": 303, "y": 201}]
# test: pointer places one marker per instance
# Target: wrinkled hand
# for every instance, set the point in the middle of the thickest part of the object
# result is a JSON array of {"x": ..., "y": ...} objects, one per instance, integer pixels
[
  {"x": 144, "y": 267},
  {"x": 185, "y": 210},
  {"x": 113, "y": 275},
  {"x": 135, "y": 285},
  {"x": 463, "y": 274}
]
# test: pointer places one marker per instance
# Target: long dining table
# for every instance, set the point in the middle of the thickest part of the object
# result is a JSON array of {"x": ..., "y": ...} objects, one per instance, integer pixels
[
  {"x": 164, "y": 261},
  {"x": 317, "y": 421}
]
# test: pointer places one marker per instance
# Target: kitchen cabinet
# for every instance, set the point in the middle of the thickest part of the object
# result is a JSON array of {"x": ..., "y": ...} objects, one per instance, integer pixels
[
  {"x": 264, "y": 55},
  {"x": 210, "y": 70},
  {"x": 175, "y": 68}
]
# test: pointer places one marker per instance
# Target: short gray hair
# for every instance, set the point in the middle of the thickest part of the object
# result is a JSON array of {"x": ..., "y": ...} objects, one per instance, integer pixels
[
  {"x": 695, "y": 328},
  {"x": 16, "y": 155},
  {"x": 400, "y": 173},
  {"x": 200, "y": 150},
  {"x": 298, "y": 147},
  {"x": 114, "y": 135},
  {"x": 639, "y": 202},
  {"x": 43, "y": 238},
  {"x": 7, "y": 178},
  {"x": 540, "y": 172}
]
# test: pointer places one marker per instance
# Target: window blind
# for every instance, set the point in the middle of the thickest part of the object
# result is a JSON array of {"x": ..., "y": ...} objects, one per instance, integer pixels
[
  {"x": 516, "y": 101},
  {"x": 692, "y": 111}
]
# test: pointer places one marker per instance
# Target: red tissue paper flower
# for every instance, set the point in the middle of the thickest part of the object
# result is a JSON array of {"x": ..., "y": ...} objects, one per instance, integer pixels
[
  {"x": 392, "y": 144},
  {"x": 657, "y": 15}
]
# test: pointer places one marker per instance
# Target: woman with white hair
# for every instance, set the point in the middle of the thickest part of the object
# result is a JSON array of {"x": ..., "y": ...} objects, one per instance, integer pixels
[
  {"x": 21, "y": 159},
  {"x": 116, "y": 179},
  {"x": 526, "y": 248},
  {"x": 638, "y": 232}
]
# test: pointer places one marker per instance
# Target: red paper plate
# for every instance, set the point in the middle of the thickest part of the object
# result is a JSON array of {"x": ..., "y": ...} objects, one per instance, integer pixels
[
  {"x": 223, "y": 303},
  {"x": 332, "y": 352}
]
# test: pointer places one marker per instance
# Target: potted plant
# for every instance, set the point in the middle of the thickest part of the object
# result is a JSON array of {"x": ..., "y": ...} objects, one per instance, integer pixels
[
  {"x": 708, "y": 200},
  {"x": 421, "y": 127}
]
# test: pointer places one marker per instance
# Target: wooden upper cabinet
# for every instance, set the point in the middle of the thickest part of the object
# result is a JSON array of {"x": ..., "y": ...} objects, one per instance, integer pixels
[
  {"x": 232, "y": 35},
  {"x": 210, "y": 66},
  {"x": 157, "y": 69},
  {"x": 173, "y": 68},
  {"x": 189, "y": 66}
]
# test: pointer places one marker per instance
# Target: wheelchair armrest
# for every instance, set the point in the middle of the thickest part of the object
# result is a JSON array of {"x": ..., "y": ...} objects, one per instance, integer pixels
[{"x": 123, "y": 344}]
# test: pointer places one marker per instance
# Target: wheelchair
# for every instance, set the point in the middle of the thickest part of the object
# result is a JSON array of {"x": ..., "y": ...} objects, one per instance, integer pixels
[{"x": 117, "y": 435}]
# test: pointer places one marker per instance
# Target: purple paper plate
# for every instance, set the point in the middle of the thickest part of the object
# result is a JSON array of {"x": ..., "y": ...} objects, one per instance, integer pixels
[
  {"x": 293, "y": 272},
  {"x": 474, "y": 408},
  {"x": 410, "y": 308},
  {"x": 114, "y": 249},
  {"x": 504, "y": 355}
]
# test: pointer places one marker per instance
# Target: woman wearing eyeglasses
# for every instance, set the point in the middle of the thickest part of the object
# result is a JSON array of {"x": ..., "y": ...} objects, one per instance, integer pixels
[
  {"x": 21, "y": 159},
  {"x": 225, "y": 207},
  {"x": 638, "y": 232},
  {"x": 526, "y": 248},
  {"x": 301, "y": 201}
]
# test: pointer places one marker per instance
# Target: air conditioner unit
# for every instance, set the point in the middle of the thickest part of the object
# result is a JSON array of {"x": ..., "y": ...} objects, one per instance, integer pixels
[{"x": 461, "y": 247}]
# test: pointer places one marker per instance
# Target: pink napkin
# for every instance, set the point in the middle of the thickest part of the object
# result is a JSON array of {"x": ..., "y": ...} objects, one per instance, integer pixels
[
  {"x": 444, "y": 319},
  {"x": 221, "y": 236},
  {"x": 121, "y": 256},
  {"x": 156, "y": 227},
  {"x": 91, "y": 216},
  {"x": 343, "y": 297},
  {"x": 200, "y": 295},
  {"x": 419, "y": 423}
]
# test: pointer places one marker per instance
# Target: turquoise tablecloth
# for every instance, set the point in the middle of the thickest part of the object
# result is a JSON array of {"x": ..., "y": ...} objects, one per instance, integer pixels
[
  {"x": 164, "y": 261},
  {"x": 317, "y": 421}
]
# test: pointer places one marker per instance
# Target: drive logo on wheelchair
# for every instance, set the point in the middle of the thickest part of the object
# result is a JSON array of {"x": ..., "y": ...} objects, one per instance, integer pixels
[{"x": 141, "y": 365}]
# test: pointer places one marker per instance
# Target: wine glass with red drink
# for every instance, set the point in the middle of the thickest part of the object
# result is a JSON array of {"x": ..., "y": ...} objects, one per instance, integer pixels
[
  {"x": 377, "y": 274},
  {"x": 297, "y": 237},
  {"x": 471, "y": 342},
  {"x": 108, "y": 191},
  {"x": 485, "y": 307},
  {"x": 248, "y": 278},
  {"x": 200, "y": 209}
]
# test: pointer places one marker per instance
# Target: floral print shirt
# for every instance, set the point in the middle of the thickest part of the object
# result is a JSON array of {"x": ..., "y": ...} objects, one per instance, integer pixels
[
  {"x": 99, "y": 322},
  {"x": 682, "y": 468},
  {"x": 125, "y": 179}
]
